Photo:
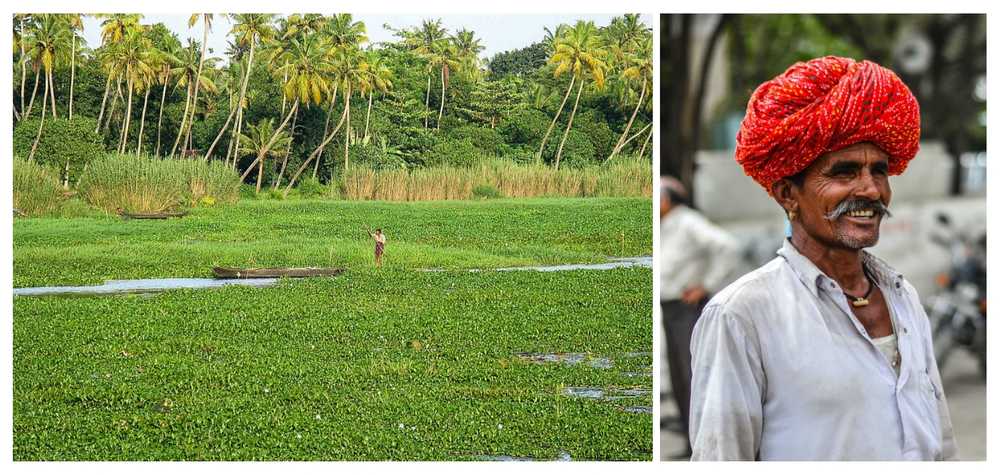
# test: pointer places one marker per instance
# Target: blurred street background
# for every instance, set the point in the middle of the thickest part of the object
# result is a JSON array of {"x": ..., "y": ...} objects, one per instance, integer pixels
[{"x": 710, "y": 65}]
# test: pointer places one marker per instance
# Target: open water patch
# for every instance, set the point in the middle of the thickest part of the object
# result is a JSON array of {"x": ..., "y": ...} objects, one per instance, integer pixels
[
  {"x": 562, "y": 457},
  {"x": 568, "y": 358},
  {"x": 141, "y": 286},
  {"x": 613, "y": 263}
]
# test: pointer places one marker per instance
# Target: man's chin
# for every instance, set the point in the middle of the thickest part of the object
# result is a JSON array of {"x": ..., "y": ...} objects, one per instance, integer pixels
[{"x": 857, "y": 243}]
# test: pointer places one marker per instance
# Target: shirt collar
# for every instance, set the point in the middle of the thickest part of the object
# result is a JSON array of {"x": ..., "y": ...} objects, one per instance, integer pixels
[{"x": 814, "y": 278}]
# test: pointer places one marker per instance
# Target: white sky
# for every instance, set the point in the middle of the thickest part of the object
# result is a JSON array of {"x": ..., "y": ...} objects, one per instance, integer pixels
[{"x": 497, "y": 32}]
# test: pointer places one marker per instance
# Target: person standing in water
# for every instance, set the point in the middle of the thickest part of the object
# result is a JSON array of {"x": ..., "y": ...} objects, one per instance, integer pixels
[{"x": 379, "y": 245}]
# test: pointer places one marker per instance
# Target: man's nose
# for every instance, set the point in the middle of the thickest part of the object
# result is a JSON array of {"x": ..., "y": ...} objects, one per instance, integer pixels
[{"x": 868, "y": 187}]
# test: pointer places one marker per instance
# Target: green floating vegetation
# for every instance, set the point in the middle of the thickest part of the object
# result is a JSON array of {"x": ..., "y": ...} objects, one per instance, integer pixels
[
  {"x": 269, "y": 233},
  {"x": 396, "y": 365}
]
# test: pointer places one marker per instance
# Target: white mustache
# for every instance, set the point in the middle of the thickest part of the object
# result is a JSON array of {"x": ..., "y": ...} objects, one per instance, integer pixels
[{"x": 847, "y": 206}]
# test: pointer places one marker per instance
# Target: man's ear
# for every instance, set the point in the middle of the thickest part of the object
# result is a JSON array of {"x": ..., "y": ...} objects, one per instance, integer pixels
[{"x": 785, "y": 193}]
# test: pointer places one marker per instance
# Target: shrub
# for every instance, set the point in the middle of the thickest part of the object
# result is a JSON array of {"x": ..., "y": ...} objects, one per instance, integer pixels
[
  {"x": 486, "y": 192},
  {"x": 310, "y": 187},
  {"x": 595, "y": 127},
  {"x": 525, "y": 128},
  {"x": 487, "y": 140},
  {"x": 577, "y": 152},
  {"x": 37, "y": 190},
  {"x": 65, "y": 144},
  {"x": 454, "y": 153}
]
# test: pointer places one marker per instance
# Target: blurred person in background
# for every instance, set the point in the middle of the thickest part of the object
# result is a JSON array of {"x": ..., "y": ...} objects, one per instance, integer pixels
[
  {"x": 825, "y": 352},
  {"x": 695, "y": 259}
]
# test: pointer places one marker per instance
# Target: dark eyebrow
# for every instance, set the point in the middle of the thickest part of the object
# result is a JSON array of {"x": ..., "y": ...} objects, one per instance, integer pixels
[{"x": 843, "y": 166}]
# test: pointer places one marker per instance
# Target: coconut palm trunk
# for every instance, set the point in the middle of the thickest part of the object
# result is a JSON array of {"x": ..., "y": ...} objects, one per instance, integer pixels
[
  {"x": 569, "y": 124},
  {"x": 142, "y": 122},
  {"x": 368, "y": 114},
  {"x": 347, "y": 130},
  {"x": 115, "y": 95},
  {"x": 38, "y": 135},
  {"x": 621, "y": 140},
  {"x": 52, "y": 93},
  {"x": 326, "y": 128},
  {"x": 315, "y": 153},
  {"x": 263, "y": 151},
  {"x": 284, "y": 160},
  {"x": 128, "y": 115},
  {"x": 72, "y": 76},
  {"x": 441, "y": 108},
  {"x": 180, "y": 132},
  {"x": 159, "y": 122},
  {"x": 186, "y": 132},
  {"x": 642, "y": 151},
  {"x": 427, "y": 101},
  {"x": 34, "y": 91},
  {"x": 235, "y": 139},
  {"x": 104, "y": 101},
  {"x": 24, "y": 65},
  {"x": 545, "y": 138}
]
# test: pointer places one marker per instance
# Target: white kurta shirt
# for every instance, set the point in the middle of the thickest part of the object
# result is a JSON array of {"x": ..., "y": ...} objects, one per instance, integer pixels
[
  {"x": 693, "y": 251},
  {"x": 783, "y": 370}
]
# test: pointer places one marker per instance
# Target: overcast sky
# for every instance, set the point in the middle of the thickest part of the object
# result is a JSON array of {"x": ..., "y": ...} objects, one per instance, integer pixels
[{"x": 497, "y": 32}]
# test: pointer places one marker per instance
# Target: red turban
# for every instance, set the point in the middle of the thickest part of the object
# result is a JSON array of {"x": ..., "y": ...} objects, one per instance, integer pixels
[{"x": 821, "y": 106}]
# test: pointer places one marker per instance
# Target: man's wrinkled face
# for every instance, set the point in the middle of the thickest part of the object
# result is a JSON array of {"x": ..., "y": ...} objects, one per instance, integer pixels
[{"x": 844, "y": 196}]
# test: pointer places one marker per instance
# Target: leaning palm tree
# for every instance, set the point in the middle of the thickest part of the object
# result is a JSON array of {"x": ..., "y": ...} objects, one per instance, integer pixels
[
  {"x": 305, "y": 65},
  {"x": 640, "y": 69},
  {"x": 579, "y": 52},
  {"x": 22, "y": 27},
  {"x": 261, "y": 140},
  {"x": 249, "y": 30}
]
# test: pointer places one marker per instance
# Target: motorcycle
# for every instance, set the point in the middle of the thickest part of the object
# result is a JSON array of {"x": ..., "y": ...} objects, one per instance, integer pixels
[{"x": 958, "y": 311}]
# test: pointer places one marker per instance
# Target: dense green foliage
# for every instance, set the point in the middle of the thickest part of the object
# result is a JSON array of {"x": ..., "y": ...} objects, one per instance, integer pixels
[
  {"x": 65, "y": 144},
  {"x": 414, "y": 102},
  {"x": 144, "y": 184},
  {"x": 367, "y": 366}
]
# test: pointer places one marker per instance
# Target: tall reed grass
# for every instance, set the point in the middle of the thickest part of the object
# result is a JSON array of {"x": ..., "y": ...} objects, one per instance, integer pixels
[
  {"x": 622, "y": 177},
  {"x": 149, "y": 185},
  {"x": 36, "y": 189}
]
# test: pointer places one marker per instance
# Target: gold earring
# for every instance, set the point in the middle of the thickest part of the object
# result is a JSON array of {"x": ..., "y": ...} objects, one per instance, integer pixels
[{"x": 792, "y": 214}]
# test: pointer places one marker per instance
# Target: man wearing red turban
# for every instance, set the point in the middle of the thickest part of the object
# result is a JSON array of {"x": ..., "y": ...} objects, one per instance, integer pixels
[{"x": 825, "y": 352}]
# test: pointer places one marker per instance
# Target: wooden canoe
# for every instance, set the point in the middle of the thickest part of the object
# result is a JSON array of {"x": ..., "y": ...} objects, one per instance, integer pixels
[
  {"x": 164, "y": 215},
  {"x": 234, "y": 273}
]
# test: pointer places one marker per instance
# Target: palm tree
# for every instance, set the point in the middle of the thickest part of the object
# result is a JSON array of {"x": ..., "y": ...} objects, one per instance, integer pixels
[
  {"x": 166, "y": 47},
  {"x": 49, "y": 41},
  {"x": 189, "y": 74},
  {"x": 580, "y": 53},
  {"x": 249, "y": 29},
  {"x": 443, "y": 56},
  {"x": 22, "y": 25},
  {"x": 350, "y": 70},
  {"x": 113, "y": 30},
  {"x": 185, "y": 130},
  {"x": 424, "y": 41},
  {"x": 46, "y": 40},
  {"x": 306, "y": 66},
  {"x": 380, "y": 80},
  {"x": 467, "y": 48},
  {"x": 135, "y": 60},
  {"x": 640, "y": 68}
]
